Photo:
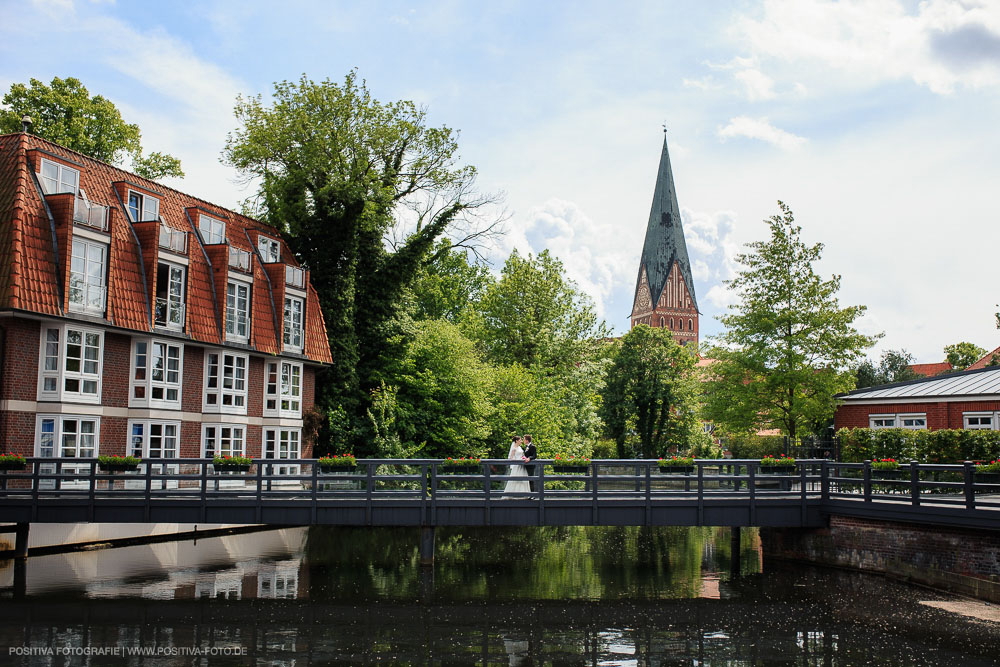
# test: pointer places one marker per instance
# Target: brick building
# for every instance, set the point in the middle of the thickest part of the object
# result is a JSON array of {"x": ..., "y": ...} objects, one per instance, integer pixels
[
  {"x": 664, "y": 288},
  {"x": 970, "y": 400},
  {"x": 138, "y": 319}
]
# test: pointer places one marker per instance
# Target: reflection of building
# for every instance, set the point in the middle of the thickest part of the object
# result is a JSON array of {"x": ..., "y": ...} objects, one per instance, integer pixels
[
  {"x": 664, "y": 288},
  {"x": 143, "y": 320}
]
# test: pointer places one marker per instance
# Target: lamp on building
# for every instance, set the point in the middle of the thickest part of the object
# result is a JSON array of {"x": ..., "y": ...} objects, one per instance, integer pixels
[{"x": 26, "y": 123}]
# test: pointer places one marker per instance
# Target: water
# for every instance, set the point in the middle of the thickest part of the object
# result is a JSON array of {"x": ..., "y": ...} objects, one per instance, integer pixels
[{"x": 552, "y": 596}]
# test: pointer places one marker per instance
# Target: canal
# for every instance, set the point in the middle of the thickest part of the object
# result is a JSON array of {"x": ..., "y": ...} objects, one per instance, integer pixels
[{"x": 535, "y": 596}]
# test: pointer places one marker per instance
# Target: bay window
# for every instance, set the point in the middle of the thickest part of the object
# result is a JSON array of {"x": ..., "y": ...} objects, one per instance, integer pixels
[
  {"x": 225, "y": 382},
  {"x": 69, "y": 437},
  {"x": 70, "y": 364},
  {"x": 283, "y": 445},
  {"x": 156, "y": 374},
  {"x": 223, "y": 440},
  {"x": 283, "y": 389}
]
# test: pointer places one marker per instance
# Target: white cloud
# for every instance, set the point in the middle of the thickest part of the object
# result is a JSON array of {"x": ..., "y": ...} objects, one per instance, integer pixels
[
  {"x": 761, "y": 128},
  {"x": 758, "y": 85},
  {"x": 721, "y": 297}
]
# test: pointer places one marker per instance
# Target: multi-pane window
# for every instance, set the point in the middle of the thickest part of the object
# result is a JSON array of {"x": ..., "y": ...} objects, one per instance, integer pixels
[
  {"x": 915, "y": 422},
  {"x": 283, "y": 389},
  {"x": 154, "y": 439},
  {"x": 169, "y": 310},
  {"x": 70, "y": 367},
  {"x": 56, "y": 178},
  {"x": 223, "y": 440},
  {"x": 67, "y": 436},
  {"x": 270, "y": 249},
  {"x": 156, "y": 373},
  {"x": 143, "y": 207},
  {"x": 88, "y": 264},
  {"x": 293, "y": 323},
  {"x": 979, "y": 422},
  {"x": 225, "y": 382},
  {"x": 911, "y": 421},
  {"x": 212, "y": 229},
  {"x": 283, "y": 444},
  {"x": 237, "y": 311},
  {"x": 882, "y": 421}
]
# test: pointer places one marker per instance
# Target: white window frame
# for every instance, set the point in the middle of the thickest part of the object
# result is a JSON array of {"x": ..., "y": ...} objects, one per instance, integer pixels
[
  {"x": 81, "y": 272},
  {"x": 148, "y": 209},
  {"x": 236, "y": 393},
  {"x": 233, "y": 314},
  {"x": 141, "y": 445},
  {"x": 914, "y": 416},
  {"x": 216, "y": 432},
  {"x": 58, "y": 184},
  {"x": 213, "y": 230},
  {"x": 978, "y": 416},
  {"x": 282, "y": 444},
  {"x": 145, "y": 350},
  {"x": 60, "y": 374},
  {"x": 270, "y": 249},
  {"x": 55, "y": 447},
  {"x": 283, "y": 389},
  {"x": 874, "y": 421},
  {"x": 293, "y": 336}
]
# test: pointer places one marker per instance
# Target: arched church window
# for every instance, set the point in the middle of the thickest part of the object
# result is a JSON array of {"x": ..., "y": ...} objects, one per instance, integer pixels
[
  {"x": 661, "y": 321},
  {"x": 671, "y": 323},
  {"x": 690, "y": 325}
]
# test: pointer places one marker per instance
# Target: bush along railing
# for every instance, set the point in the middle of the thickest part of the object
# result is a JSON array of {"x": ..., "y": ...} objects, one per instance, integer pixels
[
  {"x": 944, "y": 446},
  {"x": 338, "y": 463},
  {"x": 568, "y": 463},
  {"x": 677, "y": 465},
  {"x": 115, "y": 463},
  {"x": 10, "y": 461},
  {"x": 777, "y": 465}
]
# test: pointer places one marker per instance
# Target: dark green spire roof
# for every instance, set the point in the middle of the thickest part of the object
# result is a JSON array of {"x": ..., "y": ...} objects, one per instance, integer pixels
[{"x": 664, "y": 242}]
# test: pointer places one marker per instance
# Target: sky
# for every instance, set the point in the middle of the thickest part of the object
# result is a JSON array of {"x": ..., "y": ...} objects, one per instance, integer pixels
[{"x": 874, "y": 120}]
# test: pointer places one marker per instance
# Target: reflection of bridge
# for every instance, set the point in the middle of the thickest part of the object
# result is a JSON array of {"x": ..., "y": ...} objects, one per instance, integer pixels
[{"x": 425, "y": 492}]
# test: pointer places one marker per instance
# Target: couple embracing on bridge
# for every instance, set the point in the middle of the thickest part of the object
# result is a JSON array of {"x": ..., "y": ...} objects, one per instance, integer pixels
[{"x": 526, "y": 454}]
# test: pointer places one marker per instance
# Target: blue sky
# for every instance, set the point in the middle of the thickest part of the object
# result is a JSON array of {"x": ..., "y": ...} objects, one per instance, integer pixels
[{"x": 875, "y": 121}]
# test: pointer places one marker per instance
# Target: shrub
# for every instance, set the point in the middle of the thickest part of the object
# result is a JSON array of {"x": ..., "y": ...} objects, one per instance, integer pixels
[{"x": 942, "y": 446}]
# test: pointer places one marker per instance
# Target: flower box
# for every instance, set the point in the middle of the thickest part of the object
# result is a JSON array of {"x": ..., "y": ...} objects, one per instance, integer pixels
[
  {"x": 777, "y": 470},
  {"x": 677, "y": 470},
  {"x": 116, "y": 463},
  {"x": 232, "y": 463},
  {"x": 12, "y": 462},
  {"x": 337, "y": 463},
  {"x": 463, "y": 466},
  {"x": 777, "y": 465},
  {"x": 568, "y": 464},
  {"x": 570, "y": 469},
  {"x": 677, "y": 465}
]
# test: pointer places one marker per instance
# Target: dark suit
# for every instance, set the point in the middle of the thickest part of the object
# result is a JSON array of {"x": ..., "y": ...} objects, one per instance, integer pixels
[{"x": 531, "y": 454}]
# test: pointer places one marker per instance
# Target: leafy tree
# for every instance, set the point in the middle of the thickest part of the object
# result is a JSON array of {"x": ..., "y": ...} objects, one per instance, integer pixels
[
  {"x": 650, "y": 390},
  {"x": 525, "y": 402},
  {"x": 449, "y": 286},
  {"x": 962, "y": 355},
  {"x": 893, "y": 367},
  {"x": 65, "y": 113},
  {"x": 536, "y": 317},
  {"x": 341, "y": 172},
  {"x": 788, "y": 343}
]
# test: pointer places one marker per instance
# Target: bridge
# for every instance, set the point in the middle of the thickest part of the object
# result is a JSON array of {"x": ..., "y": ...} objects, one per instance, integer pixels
[{"x": 430, "y": 493}]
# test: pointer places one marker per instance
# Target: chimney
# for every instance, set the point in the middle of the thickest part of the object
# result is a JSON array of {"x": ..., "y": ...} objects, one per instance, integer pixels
[{"x": 26, "y": 124}]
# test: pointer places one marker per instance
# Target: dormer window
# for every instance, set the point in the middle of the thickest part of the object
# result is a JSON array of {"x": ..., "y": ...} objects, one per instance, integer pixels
[
  {"x": 142, "y": 207},
  {"x": 56, "y": 178},
  {"x": 270, "y": 249},
  {"x": 169, "y": 311},
  {"x": 213, "y": 231},
  {"x": 293, "y": 324}
]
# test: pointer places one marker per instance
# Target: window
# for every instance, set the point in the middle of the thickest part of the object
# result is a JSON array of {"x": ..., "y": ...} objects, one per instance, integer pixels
[
  {"x": 150, "y": 440},
  {"x": 882, "y": 421},
  {"x": 914, "y": 422},
  {"x": 169, "y": 296},
  {"x": 283, "y": 389},
  {"x": 979, "y": 421},
  {"x": 225, "y": 382},
  {"x": 282, "y": 444},
  {"x": 66, "y": 436},
  {"x": 70, "y": 364},
  {"x": 86, "y": 276},
  {"x": 661, "y": 321},
  {"x": 293, "y": 323},
  {"x": 56, "y": 178},
  {"x": 270, "y": 249},
  {"x": 222, "y": 440},
  {"x": 671, "y": 323},
  {"x": 156, "y": 374},
  {"x": 237, "y": 311},
  {"x": 143, "y": 207},
  {"x": 690, "y": 325},
  {"x": 212, "y": 230}
]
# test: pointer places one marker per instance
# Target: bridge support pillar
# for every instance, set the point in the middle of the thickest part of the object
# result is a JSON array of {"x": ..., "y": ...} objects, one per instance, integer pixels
[
  {"x": 427, "y": 545},
  {"x": 734, "y": 551},
  {"x": 21, "y": 540}
]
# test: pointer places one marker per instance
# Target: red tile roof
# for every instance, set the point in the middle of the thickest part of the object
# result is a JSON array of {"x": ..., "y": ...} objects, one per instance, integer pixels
[
  {"x": 927, "y": 370},
  {"x": 984, "y": 361},
  {"x": 29, "y": 275}
]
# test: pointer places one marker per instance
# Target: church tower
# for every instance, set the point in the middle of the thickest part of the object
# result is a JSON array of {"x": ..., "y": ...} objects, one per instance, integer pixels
[{"x": 664, "y": 289}]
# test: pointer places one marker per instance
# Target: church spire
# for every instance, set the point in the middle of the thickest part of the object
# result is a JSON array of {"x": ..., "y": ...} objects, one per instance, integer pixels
[{"x": 664, "y": 286}]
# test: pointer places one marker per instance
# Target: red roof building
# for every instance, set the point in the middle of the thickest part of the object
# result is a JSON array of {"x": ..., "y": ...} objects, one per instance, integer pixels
[
  {"x": 138, "y": 319},
  {"x": 928, "y": 370},
  {"x": 986, "y": 360}
]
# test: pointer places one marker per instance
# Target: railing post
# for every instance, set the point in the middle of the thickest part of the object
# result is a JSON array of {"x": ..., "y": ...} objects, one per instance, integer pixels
[
  {"x": 595, "y": 510},
  {"x": 21, "y": 540},
  {"x": 649, "y": 495},
  {"x": 866, "y": 481},
  {"x": 204, "y": 489},
  {"x": 369, "y": 483},
  {"x": 970, "y": 489},
  {"x": 914, "y": 483},
  {"x": 824, "y": 481},
  {"x": 803, "y": 478},
  {"x": 260, "y": 489},
  {"x": 149, "y": 490},
  {"x": 314, "y": 512},
  {"x": 541, "y": 494},
  {"x": 434, "y": 485},
  {"x": 93, "y": 488},
  {"x": 487, "y": 487},
  {"x": 752, "y": 488},
  {"x": 701, "y": 493},
  {"x": 423, "y": 493}
]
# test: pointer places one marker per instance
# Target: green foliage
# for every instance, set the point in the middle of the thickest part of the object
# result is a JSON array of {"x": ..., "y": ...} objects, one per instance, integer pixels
[
  {"x": 753, "y": 446},
  {"x": 650, "y": 391},
  {"x": 788, "y": 343},
  {"x": 994, "y": 360},
  {"x": 65, "y": 113},
  {"x": 893, "y": 367},
  {"x": 962, "y": 355},
  {"x": 526, "y": 402},
  {"x": 449, "y": 286},
  {"x": 941, "y": 446}
]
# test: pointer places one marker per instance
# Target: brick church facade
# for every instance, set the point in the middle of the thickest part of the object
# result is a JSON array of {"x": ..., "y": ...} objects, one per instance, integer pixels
[
  {"x": 138, "y": 319},
  {"x": 664, "y": 288}
]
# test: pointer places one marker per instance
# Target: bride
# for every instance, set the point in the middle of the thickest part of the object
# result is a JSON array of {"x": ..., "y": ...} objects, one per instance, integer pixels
[{"x": 516, "y": 454}]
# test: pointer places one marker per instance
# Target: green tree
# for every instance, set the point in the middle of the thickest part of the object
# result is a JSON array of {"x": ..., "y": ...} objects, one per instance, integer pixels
[
  {"x": 449, "y": 286},
  {"x": 341, "y": 172},
  {"x": 894, "y": 366},
  {"x": 66, "y": 114},
  {"x": 651, "y": 390},
  {"x": 536, "y": 317},
  {"x": 788, "y": 343},
  {"x": 962, "y": 355}
]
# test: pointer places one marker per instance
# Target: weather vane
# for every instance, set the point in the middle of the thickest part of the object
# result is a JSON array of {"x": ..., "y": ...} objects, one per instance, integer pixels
[{"x": 664, "y": 127}]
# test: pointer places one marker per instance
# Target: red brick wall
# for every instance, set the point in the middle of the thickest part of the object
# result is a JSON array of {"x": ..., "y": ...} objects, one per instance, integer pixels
[
  {"x": 939, "y": 414},
  {"x": 193, "y": 382},
  {"x": 114, "y": 435},
  {"x": 255, "y": 387},
  {"x": 116, "y": 370},
  {"x": 308, "y": 388},
  {"x": 19, "y": 375},
  {"x": 17, "y": 432}
]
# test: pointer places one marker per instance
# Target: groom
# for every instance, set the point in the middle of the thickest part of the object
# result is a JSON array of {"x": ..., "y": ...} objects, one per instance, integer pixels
[{"x": 530, "y": 454}]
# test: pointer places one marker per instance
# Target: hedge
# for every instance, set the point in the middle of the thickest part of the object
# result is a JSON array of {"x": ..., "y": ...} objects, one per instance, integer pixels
[{"x": 942, "y": 446}]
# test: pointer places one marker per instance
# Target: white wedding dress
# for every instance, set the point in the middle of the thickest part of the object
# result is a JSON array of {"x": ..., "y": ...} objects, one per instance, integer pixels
[{"x": 516, "y": 486}]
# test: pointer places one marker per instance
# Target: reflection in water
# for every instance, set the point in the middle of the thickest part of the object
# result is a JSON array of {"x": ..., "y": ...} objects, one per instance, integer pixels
[{"x": 553, "y": 596}]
